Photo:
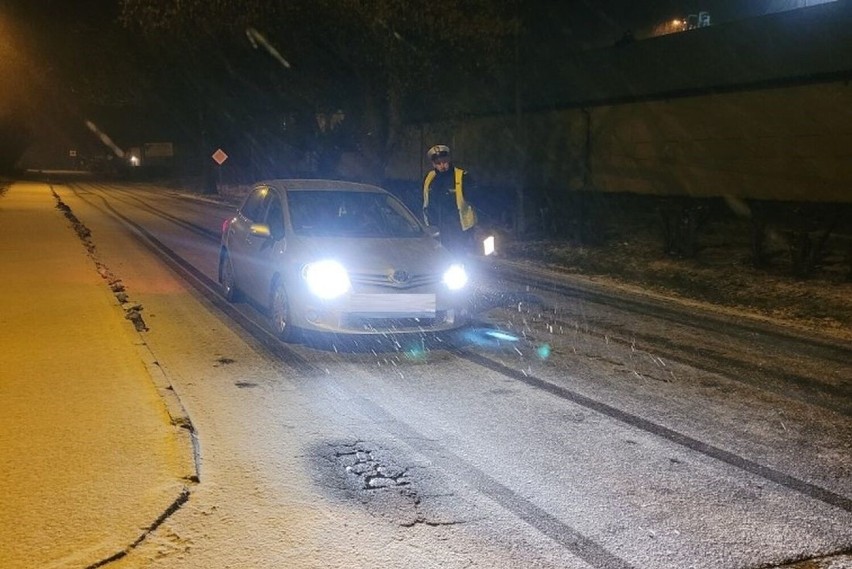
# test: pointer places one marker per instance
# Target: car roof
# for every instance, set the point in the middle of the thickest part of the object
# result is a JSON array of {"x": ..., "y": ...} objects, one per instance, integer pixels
[{"x": 321, "y": 185}]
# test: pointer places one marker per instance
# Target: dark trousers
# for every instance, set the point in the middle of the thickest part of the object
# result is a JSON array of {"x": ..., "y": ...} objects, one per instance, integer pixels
[{"x": 455, "y": 240}]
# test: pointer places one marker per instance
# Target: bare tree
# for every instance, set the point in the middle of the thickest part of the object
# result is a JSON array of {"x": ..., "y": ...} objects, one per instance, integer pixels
[{"x": 373, "y": 57}]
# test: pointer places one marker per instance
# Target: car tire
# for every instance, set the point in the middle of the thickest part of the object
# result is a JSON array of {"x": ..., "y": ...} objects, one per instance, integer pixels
[
  {"x": 279, "y": 313},
  {"x": 228, "y": 279}
]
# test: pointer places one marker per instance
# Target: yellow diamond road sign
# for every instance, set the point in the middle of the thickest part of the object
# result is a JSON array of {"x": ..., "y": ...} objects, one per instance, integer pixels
[{"x": 219, "y": 156}]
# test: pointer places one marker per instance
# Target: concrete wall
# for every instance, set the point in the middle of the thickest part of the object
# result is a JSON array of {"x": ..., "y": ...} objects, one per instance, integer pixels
[{"x": 792, "y": 144}]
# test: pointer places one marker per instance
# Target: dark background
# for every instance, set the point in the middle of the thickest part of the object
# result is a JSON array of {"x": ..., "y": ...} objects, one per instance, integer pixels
[{"x": 68, "y": 63}]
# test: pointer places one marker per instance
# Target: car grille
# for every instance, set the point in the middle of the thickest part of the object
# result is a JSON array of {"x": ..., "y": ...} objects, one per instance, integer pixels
[{"x": 387, "y": 280}]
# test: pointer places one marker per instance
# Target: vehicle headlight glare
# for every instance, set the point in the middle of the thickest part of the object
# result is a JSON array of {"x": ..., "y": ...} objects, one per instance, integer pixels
[
  {"x": 327, "y": 279},
  {"x": 456, "y": 277}
]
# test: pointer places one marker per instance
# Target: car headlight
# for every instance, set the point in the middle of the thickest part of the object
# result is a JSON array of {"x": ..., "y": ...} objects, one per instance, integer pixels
[
  {"x": 326, "y": 279},
  {"x": 455, "y": 277}
]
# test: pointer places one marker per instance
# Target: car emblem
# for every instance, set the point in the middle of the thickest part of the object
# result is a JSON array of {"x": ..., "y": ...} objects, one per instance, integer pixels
[{"x": 398, "y": 277}]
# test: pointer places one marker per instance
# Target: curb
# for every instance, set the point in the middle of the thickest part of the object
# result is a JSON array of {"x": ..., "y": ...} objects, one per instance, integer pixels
[{"x": 178, "y": 416}]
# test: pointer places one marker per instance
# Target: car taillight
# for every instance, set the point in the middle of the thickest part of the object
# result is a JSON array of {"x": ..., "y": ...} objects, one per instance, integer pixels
[{"x": 225, "y": 225}]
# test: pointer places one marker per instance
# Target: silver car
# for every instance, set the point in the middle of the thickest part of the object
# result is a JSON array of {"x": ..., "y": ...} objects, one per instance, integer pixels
[{"x": 339, "y": 257}]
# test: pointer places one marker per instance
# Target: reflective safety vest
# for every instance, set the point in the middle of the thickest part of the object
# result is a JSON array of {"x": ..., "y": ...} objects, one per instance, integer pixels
[{"x": 467, "y": 216}]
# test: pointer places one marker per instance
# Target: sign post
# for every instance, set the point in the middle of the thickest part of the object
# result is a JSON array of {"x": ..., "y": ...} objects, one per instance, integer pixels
[{"x": 219, "y": 157}]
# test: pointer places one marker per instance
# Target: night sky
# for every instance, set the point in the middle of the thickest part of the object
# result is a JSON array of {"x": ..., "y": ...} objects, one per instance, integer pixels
[
  {"x": 587, "y": 18},
  {"x": 86, "y": 11}
]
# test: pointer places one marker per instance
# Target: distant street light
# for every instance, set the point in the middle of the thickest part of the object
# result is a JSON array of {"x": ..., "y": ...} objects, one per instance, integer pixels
[
  {"x": 669, "y": 27},
  {"x": 16, "y": 75}
]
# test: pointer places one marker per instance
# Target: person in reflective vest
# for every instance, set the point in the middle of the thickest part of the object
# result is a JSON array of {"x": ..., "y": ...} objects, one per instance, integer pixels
[{"x": 444, "y": 202}]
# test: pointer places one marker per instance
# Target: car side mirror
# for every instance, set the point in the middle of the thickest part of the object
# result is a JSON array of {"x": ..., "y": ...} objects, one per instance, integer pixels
[{"x": 260, "y": 230}]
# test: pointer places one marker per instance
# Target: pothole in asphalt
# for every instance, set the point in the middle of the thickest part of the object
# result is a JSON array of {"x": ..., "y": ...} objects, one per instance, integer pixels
[
  {"x": 370, "y": 468},
  {"x": 389, "y": 484}
]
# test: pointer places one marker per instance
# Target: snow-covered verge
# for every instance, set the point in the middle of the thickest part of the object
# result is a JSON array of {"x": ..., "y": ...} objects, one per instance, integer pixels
[{"x": 721, "y": 275}]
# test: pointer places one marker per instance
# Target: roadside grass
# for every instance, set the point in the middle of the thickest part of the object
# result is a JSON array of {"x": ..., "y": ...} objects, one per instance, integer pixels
[{"x": 721, "y": 274}]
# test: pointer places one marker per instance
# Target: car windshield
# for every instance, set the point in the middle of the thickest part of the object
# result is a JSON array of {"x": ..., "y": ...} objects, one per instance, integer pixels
[{"x": 350, "y": 214}]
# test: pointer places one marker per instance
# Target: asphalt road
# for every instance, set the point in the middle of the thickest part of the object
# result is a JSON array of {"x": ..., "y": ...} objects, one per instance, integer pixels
[{"x": 568, "y": 427}]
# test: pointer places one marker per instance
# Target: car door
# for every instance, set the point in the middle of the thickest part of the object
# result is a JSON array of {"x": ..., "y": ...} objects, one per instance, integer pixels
[
  {"x": 263, "y": 245},
  {"x": 240, "y": 238}
]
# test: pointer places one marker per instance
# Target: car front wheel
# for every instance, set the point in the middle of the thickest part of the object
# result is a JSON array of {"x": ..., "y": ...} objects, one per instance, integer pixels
[
  {"x": 228, "y": 278},
  {"x": 279, "y": 311}
]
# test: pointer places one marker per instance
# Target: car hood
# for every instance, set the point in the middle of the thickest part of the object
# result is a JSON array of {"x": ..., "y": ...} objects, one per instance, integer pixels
[{"x": 367, "y": 255}]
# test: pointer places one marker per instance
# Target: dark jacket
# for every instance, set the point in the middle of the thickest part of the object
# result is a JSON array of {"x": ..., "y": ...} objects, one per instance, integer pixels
[{"x": 445, "y": 198}]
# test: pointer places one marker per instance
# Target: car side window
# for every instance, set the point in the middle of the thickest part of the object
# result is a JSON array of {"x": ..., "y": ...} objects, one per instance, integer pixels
[
  {"x": 253, "y": 207},
  {"x": 275, "y": 217}
]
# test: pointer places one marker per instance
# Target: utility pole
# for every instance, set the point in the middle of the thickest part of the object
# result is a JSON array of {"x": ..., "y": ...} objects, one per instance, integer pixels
[{"x": 520, "y": 133}]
